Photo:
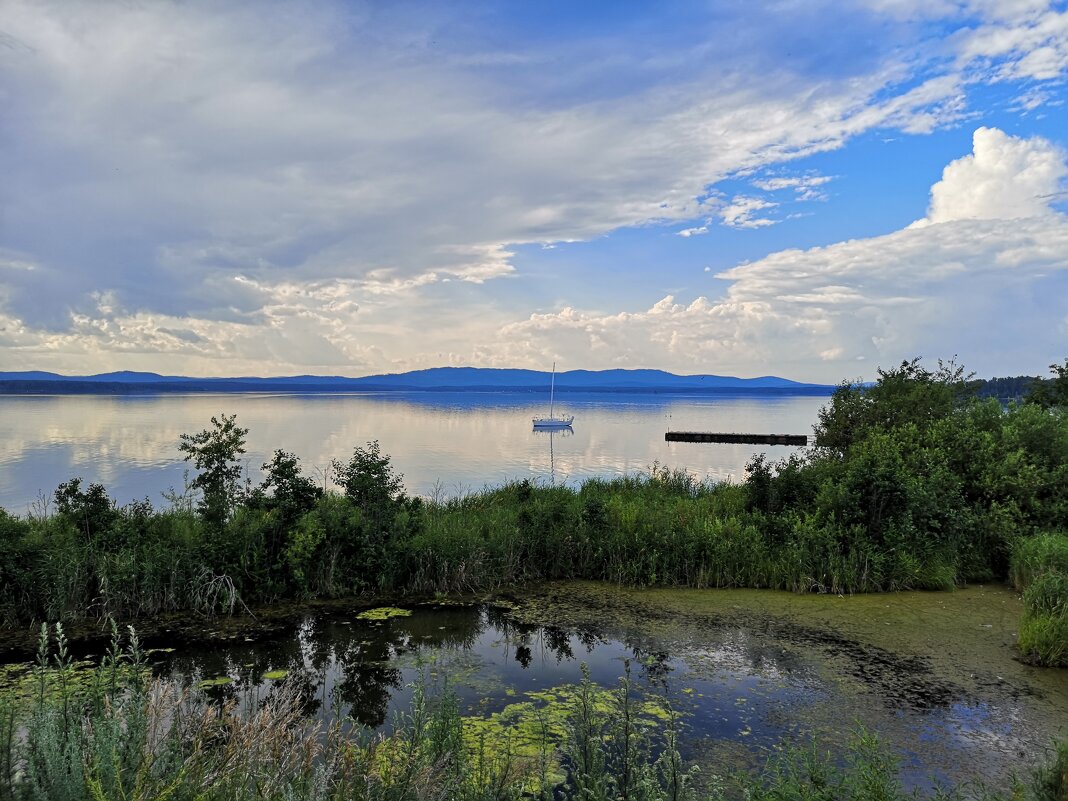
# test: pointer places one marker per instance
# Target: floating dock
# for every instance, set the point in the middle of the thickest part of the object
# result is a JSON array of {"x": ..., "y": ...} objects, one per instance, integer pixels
[{"x": 737, "y": 439}]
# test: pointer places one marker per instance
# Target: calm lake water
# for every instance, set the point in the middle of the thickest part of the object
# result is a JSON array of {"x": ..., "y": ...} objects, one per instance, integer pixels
[{"x": 445, "y": 442}]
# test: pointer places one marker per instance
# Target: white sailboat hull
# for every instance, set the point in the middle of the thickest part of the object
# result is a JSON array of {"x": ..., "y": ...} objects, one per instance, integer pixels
[{"x": 554, "y": 422}]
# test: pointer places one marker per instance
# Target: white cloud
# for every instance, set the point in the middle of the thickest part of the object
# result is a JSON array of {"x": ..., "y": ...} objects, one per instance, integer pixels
[
  {"x": 806, "y": 187},
  {"x": 184, "y": 168},
  {"x": 1022, "y": 40},
  {"x": 1034, "y": 98},
  {"x": 1004, "y": 177},
  {"x": 742, "y": 212},
  {"x": 978, "y": 279}
]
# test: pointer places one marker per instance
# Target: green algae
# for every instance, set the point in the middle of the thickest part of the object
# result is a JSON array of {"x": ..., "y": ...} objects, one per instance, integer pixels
[
  {"x": 533, "y": 732},
  {"x": 383, "y": 613},
  {"x": 22, "y": 681},
  {"x": 275, "y": 675},
  {"x": 940, "y": 663},
  {"x": 218, "y": 681}
]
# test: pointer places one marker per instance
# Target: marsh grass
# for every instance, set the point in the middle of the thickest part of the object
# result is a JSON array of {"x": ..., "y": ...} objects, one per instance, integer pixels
[
  {"x": 1037, "y": 555},
  {"x": 662, "y": 528},
  {"x": 910, "y": 485},
  {"x": 1040, "y": 569}
]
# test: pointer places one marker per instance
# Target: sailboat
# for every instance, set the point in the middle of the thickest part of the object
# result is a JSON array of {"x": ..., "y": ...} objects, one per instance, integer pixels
[{"x": 550, "y": 421}]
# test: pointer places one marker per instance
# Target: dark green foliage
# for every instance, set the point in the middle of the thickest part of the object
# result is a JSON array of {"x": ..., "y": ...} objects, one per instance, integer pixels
[
  {"x": 91, "y": 511},
  {"x": 368, "y": 552},
  {"x": 214, "y": 452},
  {"x": 911, "y": 485},
  {"x": 274, "y": 511},
  {"x": 368, "y": 479},
  {"x": 1052, "y": 393},
  {"x": 907, "y": 394}
]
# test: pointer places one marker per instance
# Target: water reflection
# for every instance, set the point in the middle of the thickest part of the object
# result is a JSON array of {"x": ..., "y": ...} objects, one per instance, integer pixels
[
  {"x": 550, "y": 434},
  {"x": 740, "y": 688},
  {"x": 365, "y": 669},
  {"x": 454, "y": 441}
]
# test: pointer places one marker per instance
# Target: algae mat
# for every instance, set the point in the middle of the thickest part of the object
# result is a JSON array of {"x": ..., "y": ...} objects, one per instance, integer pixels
[{"x": 936, "y": 675}]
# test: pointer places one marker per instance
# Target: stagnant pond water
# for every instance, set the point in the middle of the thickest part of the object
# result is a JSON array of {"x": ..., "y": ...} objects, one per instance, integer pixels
[{"x": 933, "y": 674}]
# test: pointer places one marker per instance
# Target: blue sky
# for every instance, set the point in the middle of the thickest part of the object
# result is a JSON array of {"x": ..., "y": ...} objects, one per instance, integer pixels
[{"x": 800, "y": 188}]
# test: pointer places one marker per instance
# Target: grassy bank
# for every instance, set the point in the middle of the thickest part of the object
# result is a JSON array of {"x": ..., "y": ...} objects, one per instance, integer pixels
[
  {"x": 1040, "y": 571},
  {"x": 114, "y": 732},
  {"x": 912, "y": 483}
]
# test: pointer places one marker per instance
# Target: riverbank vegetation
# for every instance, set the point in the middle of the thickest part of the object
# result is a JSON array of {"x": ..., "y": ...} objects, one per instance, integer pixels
[
  {"x": 912, "y": 482},
  {"x": 1040, "y": 571},
  {"x": 115, "y": 732}
]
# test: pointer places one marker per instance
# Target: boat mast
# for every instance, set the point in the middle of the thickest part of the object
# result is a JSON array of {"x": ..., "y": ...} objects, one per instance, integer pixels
[{"x": 552, "y": 389}]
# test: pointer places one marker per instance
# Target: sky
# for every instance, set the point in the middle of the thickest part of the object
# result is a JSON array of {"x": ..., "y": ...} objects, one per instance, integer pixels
[{"x": 801, "y": 188}]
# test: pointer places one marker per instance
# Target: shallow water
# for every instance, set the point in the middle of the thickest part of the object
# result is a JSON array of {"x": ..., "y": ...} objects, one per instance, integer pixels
[{"x": 933, "y": 674}]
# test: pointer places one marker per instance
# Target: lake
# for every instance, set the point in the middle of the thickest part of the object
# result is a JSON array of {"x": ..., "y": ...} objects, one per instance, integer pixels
[{"x": 444, "y": 443}]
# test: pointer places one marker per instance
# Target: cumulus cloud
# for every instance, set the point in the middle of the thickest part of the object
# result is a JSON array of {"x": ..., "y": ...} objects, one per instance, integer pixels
[
  {"x": 985, "y": 276},
  {"x": 1004, "y": 177}
]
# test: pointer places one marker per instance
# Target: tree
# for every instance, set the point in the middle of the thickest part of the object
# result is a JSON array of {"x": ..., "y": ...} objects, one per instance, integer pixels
[
  {"x": 215, "y": 452},
  {"x": 92, "y": 511},
  {"x": 285, "y": 489},
  {"x": 369, "y": 480},
  {"x": 1051, "y": 392},
  {"x": 386, "y": 514},
  {"x": 908, "y": 394}
]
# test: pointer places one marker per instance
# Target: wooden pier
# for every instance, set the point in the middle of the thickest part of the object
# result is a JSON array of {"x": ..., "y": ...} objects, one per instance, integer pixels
[{"x": 737, "y": 439}]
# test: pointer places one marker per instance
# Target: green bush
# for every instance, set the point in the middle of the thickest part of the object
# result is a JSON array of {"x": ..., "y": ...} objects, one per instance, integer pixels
[{"x": 911, "y": 485}]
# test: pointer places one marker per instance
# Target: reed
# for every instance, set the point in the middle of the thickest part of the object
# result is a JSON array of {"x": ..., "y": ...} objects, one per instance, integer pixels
[
  {"x": 909, "y": 486},
  {"x": 1040, "y": 569}
]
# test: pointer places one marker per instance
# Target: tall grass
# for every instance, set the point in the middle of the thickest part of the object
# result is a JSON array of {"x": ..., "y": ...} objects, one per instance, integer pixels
[
  {"x": 1036, "y": 555},
  {"x": 660, "y": 528},
  {"x": 1040, "y": 569},
  {"x": 908, "y": 486}
]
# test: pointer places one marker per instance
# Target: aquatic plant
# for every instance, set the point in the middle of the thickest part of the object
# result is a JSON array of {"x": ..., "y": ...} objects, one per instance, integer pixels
[
  {"x": 126, "y": 735},
  {"x": 1044, "y": 628},
  {"x": 383, "y": 613}
]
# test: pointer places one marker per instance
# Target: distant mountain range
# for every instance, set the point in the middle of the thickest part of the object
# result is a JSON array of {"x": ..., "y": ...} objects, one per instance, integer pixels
[{"x": 436, "y": 379}]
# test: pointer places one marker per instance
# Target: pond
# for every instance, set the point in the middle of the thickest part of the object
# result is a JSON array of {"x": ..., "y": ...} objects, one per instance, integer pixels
[{"x": 934, "y": 675}]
